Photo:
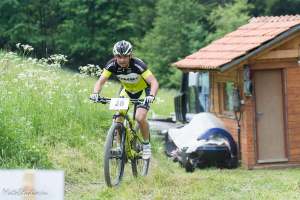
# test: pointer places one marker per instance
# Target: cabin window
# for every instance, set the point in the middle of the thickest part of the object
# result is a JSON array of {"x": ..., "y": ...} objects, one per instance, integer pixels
[
  {"x": 192, "y": 93},
  {"x": 226, "y": 97},
  {"x": 204, "y": 91},
  {"x": 198, "y": 92},
  {"x": 192, "y": 99}
]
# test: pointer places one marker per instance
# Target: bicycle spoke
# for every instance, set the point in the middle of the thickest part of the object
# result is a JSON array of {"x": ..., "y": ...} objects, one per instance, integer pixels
[{"x": 114, "y": 156}]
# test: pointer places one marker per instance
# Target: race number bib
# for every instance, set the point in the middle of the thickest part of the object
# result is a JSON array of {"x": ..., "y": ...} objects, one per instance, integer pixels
[{"x": 119, "y": 104}]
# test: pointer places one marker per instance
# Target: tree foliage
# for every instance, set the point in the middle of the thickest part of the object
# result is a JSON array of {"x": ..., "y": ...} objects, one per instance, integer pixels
[
  {"x": 224, "y": 19},
  {"x": 162, "y": 31},
  {"x": 275, "y": 7},
  {"x": 83, "y": 30},
  {"x": 176, "y": 28}
]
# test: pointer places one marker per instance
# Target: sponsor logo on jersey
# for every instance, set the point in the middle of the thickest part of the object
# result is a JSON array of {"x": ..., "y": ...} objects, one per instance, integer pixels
[{"x": 129, "y": 78}]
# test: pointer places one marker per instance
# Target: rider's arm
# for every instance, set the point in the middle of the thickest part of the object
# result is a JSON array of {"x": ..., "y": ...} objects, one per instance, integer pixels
[
  {"x": 101, "y": 81},
  {"x": 151, "y": 80}
]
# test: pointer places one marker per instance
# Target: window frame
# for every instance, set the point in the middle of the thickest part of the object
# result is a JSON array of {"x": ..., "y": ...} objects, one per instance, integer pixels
[{"x": 222, "y": 96}]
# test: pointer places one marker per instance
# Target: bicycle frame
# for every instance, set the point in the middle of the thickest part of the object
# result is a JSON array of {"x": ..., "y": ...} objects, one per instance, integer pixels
[
  {"x": 130, "y": 134},
  {"x": 131, "y": 142}
]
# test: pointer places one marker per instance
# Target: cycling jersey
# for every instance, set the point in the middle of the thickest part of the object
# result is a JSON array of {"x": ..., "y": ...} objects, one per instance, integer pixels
[{"x": 133, "y": 78}]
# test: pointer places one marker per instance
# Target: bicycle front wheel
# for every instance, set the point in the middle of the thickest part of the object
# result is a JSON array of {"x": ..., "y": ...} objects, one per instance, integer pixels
[
  {"x": 114, "y": 155},
  {"x": 139, "y": 165}
]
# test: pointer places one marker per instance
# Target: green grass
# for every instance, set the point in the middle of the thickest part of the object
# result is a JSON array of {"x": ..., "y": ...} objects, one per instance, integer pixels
[
  {"x": 42, "y": 107},
  {"x": 46, "y": 121},
  {"x": 168, "y": 181}
]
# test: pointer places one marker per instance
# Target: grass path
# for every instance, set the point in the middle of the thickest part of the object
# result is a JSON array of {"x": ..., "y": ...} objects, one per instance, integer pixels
[{"x": 167, "y": 180}]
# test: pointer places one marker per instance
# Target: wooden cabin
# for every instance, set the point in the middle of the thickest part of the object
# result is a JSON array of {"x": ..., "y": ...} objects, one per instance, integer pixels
[{"x": 258, "y": 64}]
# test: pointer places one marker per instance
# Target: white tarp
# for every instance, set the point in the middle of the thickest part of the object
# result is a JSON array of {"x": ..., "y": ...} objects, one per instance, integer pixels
[{"x": 186, "y": 137}]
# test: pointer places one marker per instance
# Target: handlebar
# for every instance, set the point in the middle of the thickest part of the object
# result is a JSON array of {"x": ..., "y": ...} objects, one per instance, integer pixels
[{"x": 105, "y": 100}]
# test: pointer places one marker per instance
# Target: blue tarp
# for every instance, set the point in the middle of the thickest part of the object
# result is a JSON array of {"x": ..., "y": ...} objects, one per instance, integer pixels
[{"x": 219, "y": 132}]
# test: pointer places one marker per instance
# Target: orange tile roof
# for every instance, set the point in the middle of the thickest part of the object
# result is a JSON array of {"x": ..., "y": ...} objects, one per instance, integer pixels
[{"x": 258, "y": 31}]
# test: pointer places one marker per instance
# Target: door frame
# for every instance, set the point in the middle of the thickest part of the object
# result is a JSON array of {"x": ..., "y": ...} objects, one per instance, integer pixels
[{"x": 284, "y": 110}]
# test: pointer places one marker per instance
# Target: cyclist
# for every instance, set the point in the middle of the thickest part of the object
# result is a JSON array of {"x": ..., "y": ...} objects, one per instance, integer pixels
[{"x": 135, "y": 78}]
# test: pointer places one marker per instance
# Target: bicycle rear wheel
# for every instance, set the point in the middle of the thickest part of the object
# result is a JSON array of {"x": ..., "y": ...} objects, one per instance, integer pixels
[
  {"x": 139, "y": 165},
  {"x": 114, "y": 155}
]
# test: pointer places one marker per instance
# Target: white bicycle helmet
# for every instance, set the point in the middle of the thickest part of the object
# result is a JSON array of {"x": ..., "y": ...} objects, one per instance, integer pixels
[{"x": 122, "y": 48}]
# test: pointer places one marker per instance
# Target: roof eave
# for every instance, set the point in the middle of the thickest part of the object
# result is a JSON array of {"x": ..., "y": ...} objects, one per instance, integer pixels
[
  {"x": 261, "y": 48},
  {"x": 194, "y": 68},
  {"x": 197, "y": 70}
]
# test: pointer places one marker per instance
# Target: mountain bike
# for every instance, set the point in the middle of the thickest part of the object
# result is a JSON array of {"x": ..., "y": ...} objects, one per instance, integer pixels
[{"x": 123, "y": 142}]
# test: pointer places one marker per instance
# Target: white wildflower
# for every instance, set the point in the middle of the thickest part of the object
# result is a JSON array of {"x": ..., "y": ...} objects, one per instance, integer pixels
[
  {"x": 18, "y": 45},
  {"x": 90, "y": 70},
  {"x": 27, "y": 48},
  {"x": 57, "y": 60}
]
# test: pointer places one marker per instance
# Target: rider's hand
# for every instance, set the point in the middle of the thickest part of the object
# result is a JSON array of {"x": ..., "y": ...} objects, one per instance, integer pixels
[
  {"x": 94, "y": 97},
  {"x": 149, "y": 99}
]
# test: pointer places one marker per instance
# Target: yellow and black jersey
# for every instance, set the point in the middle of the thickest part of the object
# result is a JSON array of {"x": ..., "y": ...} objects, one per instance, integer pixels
[{"x": 133, "y": 78}]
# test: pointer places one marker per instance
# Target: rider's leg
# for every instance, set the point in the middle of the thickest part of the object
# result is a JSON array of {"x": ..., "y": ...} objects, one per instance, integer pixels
[{"x": 141, "y": 118}]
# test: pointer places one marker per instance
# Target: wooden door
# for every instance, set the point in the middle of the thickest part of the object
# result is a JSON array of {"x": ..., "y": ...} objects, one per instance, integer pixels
[{"x": 270, "y": 129}]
